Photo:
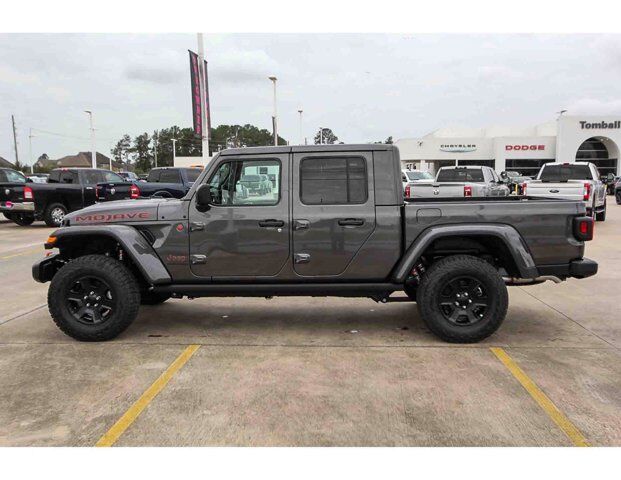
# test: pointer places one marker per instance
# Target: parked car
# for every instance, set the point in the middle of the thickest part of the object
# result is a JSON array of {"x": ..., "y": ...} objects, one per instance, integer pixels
[
  {"x": 67, "y": 190},
  {"x": 259, "y": 184},
  {"x": 130, "y": 176},
  {"x": 408, "y": 176},
  {"x": 337, "y": 227},
  {"x": 514, "y": 181},
  {"x": 38, "y": 177},
  {"x": 164, "y": 182},
  {"x": 474, "y": 181},
  {"x": 573, "y": 181},
  {"x": 12, "y": 183},
  {"x": 618, "y": 191},
  {"x": 610, "y": 181}
]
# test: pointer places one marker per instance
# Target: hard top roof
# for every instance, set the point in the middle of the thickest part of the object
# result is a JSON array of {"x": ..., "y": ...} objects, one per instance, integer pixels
[{"x": 308, "y": 149}]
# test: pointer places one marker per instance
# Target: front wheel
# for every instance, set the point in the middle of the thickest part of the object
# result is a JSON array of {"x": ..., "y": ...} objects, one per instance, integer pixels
[
  {"x": 462, "y": 299},
  {"x": 93, "y": 298}
]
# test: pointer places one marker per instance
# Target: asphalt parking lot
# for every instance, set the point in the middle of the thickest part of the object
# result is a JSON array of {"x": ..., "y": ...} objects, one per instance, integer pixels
[{"x": 314, "y": 372}]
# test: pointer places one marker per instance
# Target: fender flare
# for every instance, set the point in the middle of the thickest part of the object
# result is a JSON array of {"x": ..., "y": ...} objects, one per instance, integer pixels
[
  {"x": 506, "y": 233},
  {"x": 133, "y": 243}
]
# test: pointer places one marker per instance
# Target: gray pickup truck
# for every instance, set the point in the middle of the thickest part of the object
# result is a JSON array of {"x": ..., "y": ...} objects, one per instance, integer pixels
[
  {"x": 335, "y": 223},
  {"x": 470, "y": 181}
]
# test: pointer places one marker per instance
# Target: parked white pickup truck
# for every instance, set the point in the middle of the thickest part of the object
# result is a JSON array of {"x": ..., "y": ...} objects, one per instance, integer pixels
[
  {"x": 571, "y": 181},
  {"x": 475, "y": 181}
]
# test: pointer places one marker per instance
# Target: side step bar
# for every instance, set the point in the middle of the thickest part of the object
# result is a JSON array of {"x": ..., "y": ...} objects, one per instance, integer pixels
[{"x": 274, "y": 290}]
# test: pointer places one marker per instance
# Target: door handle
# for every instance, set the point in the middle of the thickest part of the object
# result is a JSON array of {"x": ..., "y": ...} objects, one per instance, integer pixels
[
  {"x": 271, "y": 223},
  {"x": 351, "y": 222},
  {"x": 301, "y": 225},
  {"x": 301, "y": 258}
]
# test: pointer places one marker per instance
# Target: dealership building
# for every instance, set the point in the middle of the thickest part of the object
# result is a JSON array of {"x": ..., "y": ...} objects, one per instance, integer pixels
[{"x": 593, "y": 139}]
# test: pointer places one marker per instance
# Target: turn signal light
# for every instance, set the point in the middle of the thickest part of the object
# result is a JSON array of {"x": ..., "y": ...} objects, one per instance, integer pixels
[
  {"x": 586, "y": 192},
  {"x": 28, "y": 193},
  {"x": 134, "y": 192},
  {"x": 584, "y": 228},
  {"x": 467, "y": 191},
  {"x": 408, "y": 191}
]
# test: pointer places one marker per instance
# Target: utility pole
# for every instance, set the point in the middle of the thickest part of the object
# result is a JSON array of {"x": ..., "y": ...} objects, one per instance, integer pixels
[
  {"x": 174, "y": 140},
  {"x": 320, "y": 135},
  {"x": 155, "y": 147},
  {"x": 30, "y": 151},
  {"x": 202, "y": 74},
  {"x": 93, "y": 148},
  {"x": 15, "y": 142},
  {"x": 275, "y": 115},
  {"x": 301, "y": 136}
]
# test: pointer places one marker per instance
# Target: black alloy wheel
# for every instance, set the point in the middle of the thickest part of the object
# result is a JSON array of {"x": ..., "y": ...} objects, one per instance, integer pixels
[
  {"x": 463, "y": 301},
  {"x": 90, "y": 300}
]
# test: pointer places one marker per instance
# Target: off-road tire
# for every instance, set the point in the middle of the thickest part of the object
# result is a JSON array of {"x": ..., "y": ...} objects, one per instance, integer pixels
[
  {"x": 435, "y": 280},
  {"x": 48, "y": 215},
  {"x": 124, "y": 289},
  {"x": 21, "y": 219},
  {"x": 153, "y": 298},
  {"x": 601, "y": 216}
]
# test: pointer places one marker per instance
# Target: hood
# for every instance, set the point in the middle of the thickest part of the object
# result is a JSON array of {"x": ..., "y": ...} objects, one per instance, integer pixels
[{"x": 121, "y": 211}]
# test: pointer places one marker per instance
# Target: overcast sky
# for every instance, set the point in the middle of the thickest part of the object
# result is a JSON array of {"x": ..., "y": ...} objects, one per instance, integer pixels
[{"x": 364, "y": 86}]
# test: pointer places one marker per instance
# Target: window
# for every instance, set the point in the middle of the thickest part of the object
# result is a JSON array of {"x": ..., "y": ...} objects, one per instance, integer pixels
[
  {"x": 113, "y": 177},
  {"x": 193, "y": 174},
  {"x": 238, "y": 183},
  {"x": 418, "y": 175},
  {"x": 14, "y": 177},
  {"x": 461, "y": 175},
  {"x": 562, "y": 173},
  {"x": 333, "y": 181},
  {"x": 169, "y": 176},
  {"x": 68, "y": 177},
  {"x": 154, "y": 176},
  {"x": 91, "y": 177},
  {"x": 54, "y": 177}
]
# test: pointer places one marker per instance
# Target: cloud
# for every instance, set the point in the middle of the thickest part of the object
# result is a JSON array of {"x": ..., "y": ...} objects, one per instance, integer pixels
[
  {"x": 242, "y": 66},
  {"x": 12, "y": 76},
  {"x": 593, "y": 106},
  {"x": 157, "y": 75},
  {"x": 498, "y": 72}
]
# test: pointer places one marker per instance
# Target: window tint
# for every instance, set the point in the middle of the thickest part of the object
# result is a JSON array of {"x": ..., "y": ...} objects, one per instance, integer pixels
[
  {"x": 112, "y": 177},
  {"x": 13, "y": 176},
  {"x": 170, "y": 176},
  {"x": 461, "y": 175},
  {"x": 562, "y": 173},
  {"x": 239, "y": 183},
  {"x": 68, "y": 177},
  {"x": 91, "y": 177},
  {"x": 333, "y": 181},
  {"x": 193, "y": 174},
  {"x": 54, "y": 177},
  {"x": 413, "y": 175},
  {"x": 154, "y": 176}
]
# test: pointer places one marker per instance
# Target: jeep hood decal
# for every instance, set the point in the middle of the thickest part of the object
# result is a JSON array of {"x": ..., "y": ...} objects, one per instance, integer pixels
[{"x": 122, "y": 211}]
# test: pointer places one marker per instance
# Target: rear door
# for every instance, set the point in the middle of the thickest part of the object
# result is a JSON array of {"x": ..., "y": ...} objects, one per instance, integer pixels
[
  {"x": 243, "y": 233},
  {"x": 333, "y": 210}
]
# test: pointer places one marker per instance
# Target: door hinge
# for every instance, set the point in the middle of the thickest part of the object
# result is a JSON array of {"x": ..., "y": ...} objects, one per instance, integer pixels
[{"x": 198, "y": 259}]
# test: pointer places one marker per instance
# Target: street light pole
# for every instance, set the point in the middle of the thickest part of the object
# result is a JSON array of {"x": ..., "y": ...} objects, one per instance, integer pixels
[
  {"x": 30, "y": 151},
  {"x": 275, "y": 116},
  {"x": 174, "y": 140},
  {"x": 93, "y": 154},
  {"x": 301, "y": 136},
  {"x": 155, "y": 147}
]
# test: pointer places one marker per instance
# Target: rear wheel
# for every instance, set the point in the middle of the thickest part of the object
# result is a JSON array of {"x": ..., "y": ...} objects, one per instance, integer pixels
[
  {"x": 93, "y": 298},
  {"x": 22, "y": 219},
  {"x": 462, "y": 299},
  {"x": 54, "y": 214}
]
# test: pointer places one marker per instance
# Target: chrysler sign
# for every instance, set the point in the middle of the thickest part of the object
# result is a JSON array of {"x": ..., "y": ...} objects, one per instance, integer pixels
[
  {"x": 459, "y": 147},
  {"x": 616, "y": 124}
]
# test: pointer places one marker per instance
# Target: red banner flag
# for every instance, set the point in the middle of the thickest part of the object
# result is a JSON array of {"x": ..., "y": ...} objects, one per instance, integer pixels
[{"x": 195, "y": 86}]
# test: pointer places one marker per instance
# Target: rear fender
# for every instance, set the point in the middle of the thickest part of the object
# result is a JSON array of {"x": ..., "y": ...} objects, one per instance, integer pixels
[
  {"x": 131, "y": 241},
  {"x": 505, "y": 233}
]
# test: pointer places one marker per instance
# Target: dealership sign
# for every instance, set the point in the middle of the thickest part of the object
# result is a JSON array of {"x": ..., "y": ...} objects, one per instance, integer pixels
[
  {"x": 525, "y": 147},
  {"x": 616, "y": 124},
  {"x": 459, "y": 147}
]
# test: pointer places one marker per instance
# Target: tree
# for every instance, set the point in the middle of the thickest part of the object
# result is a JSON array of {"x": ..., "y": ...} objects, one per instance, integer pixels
[
  {"x": 235, "y": 136},
  {"x": 388, "y": 140},
  {"x": 142, "y": 150},
  {"x": 122, "y": 149},
  {"x": 325, "y": 135}
]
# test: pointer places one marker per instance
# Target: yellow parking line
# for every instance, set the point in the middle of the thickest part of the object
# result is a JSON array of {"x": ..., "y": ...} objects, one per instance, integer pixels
[
  {"x": 112, "y": 435},
  {"x": 542, "y": 399},
  {"x": 30, "y": 250}
]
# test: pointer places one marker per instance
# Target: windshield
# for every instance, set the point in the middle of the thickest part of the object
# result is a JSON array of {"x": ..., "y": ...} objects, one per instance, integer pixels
[
  {"x": 562, "y": 173},
  {"x": 461, "y": 175},
  {"x": 412, "y": 175}
]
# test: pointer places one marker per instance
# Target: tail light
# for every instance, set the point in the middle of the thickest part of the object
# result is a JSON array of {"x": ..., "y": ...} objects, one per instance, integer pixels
[
  {"x": 524, "y": 188},
  {"x": 586, "y": 192},
  {"x": 467, "y": 191},
  {"x": 97, "y": 191},
  {"x": 134, "y": 192},
  {"x": 408, "y": 191},
  {"x": 28, "y": 193},
  {"x": 584, "y": 228}
]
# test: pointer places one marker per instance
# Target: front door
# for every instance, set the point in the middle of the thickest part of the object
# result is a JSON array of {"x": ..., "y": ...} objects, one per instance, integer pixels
[
  {"x": 333, "y": 211},
  {"x": 246, "y": 230}
]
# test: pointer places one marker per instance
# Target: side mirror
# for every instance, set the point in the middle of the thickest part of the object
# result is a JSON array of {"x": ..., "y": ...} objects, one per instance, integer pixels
[
  {"x": 203, "y": 198},
  {"x": 503, "y": 175}
]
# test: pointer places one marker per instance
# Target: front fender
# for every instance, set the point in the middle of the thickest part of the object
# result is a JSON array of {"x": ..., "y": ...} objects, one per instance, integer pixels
[
  {"x": 130, "y": 239},
  {"x": 507, "y": 234}
]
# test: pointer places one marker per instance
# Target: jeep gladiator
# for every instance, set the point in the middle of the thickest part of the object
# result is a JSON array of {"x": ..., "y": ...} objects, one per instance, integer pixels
[{"x": 334, "y": 224}]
